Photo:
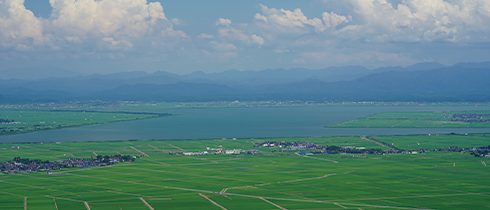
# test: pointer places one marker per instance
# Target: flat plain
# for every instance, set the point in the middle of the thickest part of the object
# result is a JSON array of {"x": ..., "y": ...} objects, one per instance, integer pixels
[
  {"x": 40, "y": 120},
  {"x": 268, "y": 180},
  {"x": 455, "y": 119}
]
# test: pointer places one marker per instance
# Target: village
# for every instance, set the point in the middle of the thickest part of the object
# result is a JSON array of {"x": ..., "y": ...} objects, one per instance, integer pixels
[
  {"x": 220, "y": 151},
  {"x": 470, "y": 118},
  {"x": 36, "y": 165},
  {"x": 313, "y": 148}
]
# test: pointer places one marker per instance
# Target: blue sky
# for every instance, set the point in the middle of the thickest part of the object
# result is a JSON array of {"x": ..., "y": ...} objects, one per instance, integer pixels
[{"x": 107, "y": 36}]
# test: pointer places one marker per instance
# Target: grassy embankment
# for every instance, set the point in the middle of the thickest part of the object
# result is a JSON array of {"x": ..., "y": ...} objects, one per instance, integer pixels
[
  {"x": 417, "y": 120},
  {"x": 32, "y": 121},
  {"x": 423, "y": 181}
]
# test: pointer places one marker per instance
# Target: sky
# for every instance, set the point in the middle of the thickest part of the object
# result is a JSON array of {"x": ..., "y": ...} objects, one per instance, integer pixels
[{"x": 108, "y": 36}]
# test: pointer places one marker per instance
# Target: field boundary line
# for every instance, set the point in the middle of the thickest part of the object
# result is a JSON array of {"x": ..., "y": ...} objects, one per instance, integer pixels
[
  {"x": 280, "y": 207},
  {"x": 68, "y": 199},
  {"x": 25, "y": 203},
  {"x": 95, "y": 153},
  {"x": 341, "y": 206},
  {"x": 159, "y": 163},
  {"x": 44, "y": 188},
  {"x": 107, "y": 188},
  {"x": 216, "y": 204},
  {"x": 55, "y": 205},
  {"x": 147, "y": 204},
  {"x": 299, "y": 180},
  {"x": 420, "y": 185},
  {"x": 86, "y": 205},
  {"x": 193, "y": 175},
  {"x": 348, "y": 172},
  {"x": 159, "y": 199},
  {"x": 223, "y": 191},
  {"x": 183, "y": 150},
  {"x": 137, "y": 150},
  {"x": 329, "y": 202},
  {"x": 145, "y": 184},
  {"x": 155, "y": 148},
  {"x": 11, "y": 193},
  {"x": 370, "y": 140},
  {"x": 333, "y": 161}
]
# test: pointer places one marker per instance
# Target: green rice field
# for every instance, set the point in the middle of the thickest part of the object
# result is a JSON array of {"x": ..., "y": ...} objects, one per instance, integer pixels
[
  {"x": 31, "y": 121},
  {"x": 268, "y": 180},
  {"x": 419, "y": 120}
]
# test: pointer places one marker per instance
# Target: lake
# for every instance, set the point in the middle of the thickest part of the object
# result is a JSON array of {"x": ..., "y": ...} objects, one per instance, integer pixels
[{"x": 209, "y": 123}]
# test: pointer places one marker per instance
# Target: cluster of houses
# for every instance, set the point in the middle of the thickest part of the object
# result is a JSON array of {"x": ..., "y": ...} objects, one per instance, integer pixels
[
  {"x": 35, "y": 165},
  {"x": 470, "y": 118},
  {"x": 4, "y": 122},
  {"x": 313, "y": 148},
  {"x": 319, "y": 149},
  {"x": 221, "y": 151},
  {"x": 290, "y": 145}
]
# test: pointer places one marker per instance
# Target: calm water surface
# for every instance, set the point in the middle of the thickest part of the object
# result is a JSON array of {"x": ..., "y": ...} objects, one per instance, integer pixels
[{"x": 241, "y": 123}]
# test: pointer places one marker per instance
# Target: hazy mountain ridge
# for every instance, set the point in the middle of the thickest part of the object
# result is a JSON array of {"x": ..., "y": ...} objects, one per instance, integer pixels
[{"x": 424, "y": 81}]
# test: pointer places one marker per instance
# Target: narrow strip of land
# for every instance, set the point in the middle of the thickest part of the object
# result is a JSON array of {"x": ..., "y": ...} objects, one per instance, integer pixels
[
  {"x": 216, "y": 204},
  {"x": 280, "y": 207},
  {"x": 137, "y": 150},
  {"x": 68, "y": 199},
  {"x": 86, "y": 205},
  {"x": 183, "y": 150},
  {"x": 147, "y": 204},
  {"x": 25, "y": 203},
  {"x": 333, "y": 161},
  {"x": 12, "y": 194},
  {"x": 376, "y": 142},
  {"x": 329, "y": 202},
  {"x": 155, "y": 148},
  {"x": 299, "y": 180},
  {"x": 340, "y": 206},
  {"x": 55, "y": 205}
]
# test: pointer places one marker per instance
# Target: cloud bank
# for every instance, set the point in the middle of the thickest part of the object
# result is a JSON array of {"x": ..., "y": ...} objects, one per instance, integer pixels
[
  {"x": 380, "y": 32},
  {"x": 101, "y": 24}
]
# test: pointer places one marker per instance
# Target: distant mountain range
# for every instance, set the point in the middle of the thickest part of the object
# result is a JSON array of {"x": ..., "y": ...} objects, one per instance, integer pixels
[{"x": 419, "y": 82}]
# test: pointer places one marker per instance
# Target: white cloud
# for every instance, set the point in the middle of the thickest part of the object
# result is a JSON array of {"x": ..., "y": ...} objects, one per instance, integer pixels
[
  {"x": 222, "y": 46},
  {"x": 233, "y": 33},
  {"x": 238, "y": 35},
  {"x": 17, "y": 25},
  {"x": 333, "y": 20},
  {"x": 257, "y": 39},
  {"x": 223, "y": 21},
  {"x": 177, "y": 21},
  {"x": 421, "y": 20},
  {"x": 261, "y": 17},
  {"x": 205, "y": 36},
  {"x": 87, "y": 22},
  {"x": 287, "y": 20}
]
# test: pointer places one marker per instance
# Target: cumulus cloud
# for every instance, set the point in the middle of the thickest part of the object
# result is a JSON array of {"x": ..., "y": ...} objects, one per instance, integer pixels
[
  {"x": 421, "y": 20},
  {"x": 18, "y": 26},
  {"x": 223, "y": 21},
  {"x": 256, "y": 39},
  {"x": 177, "y": 21},
  {"x": 286, "y": 20},
  {"x": 238, "y": 35},
  {"x": 333, "y": 20},
  {"x": 222, "y": 46},
  {"x": 104, "y": 23},
  {"x": 205, "y": 36}
]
